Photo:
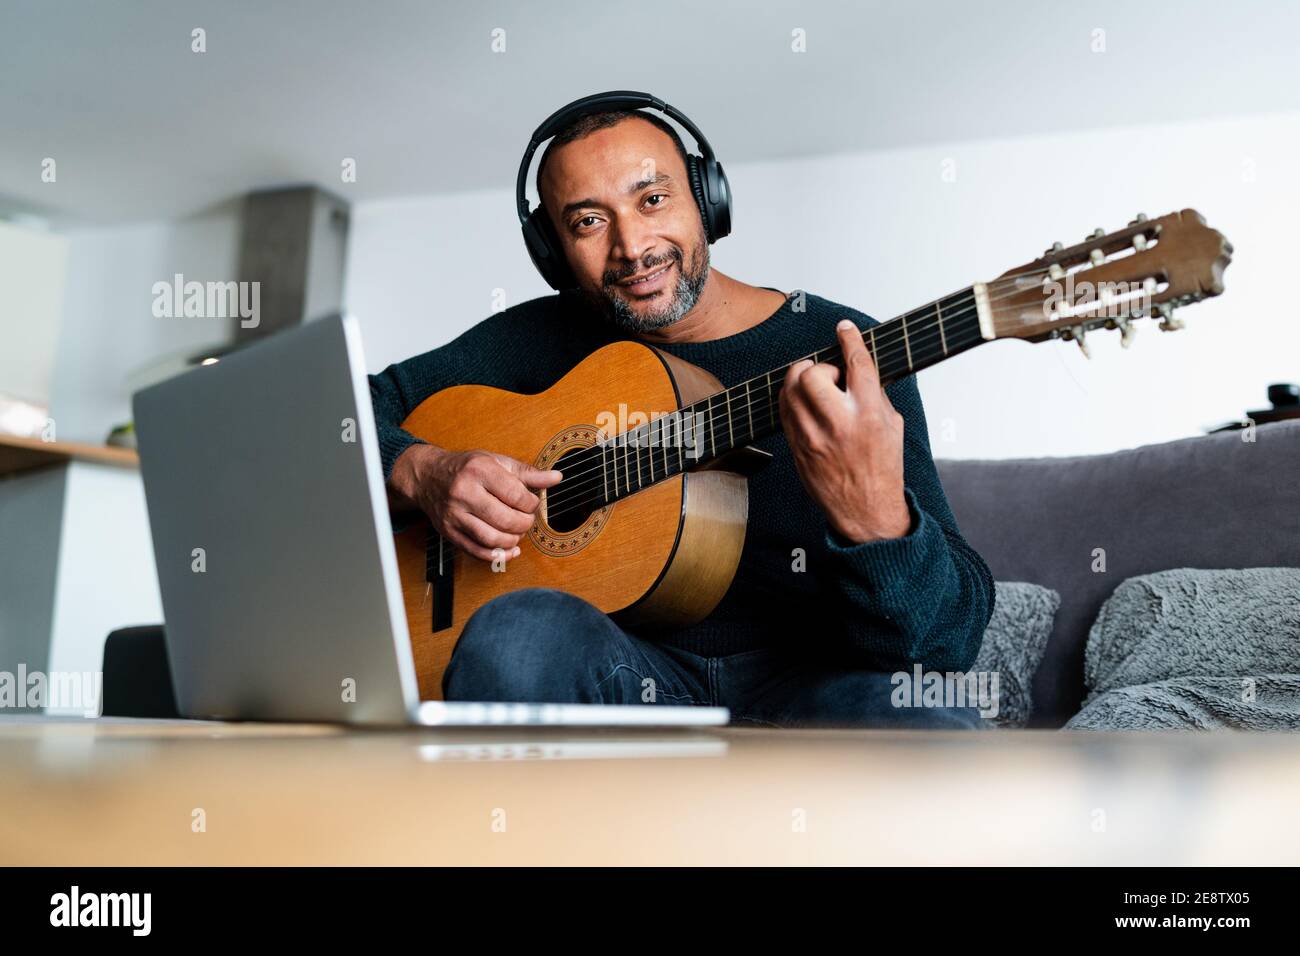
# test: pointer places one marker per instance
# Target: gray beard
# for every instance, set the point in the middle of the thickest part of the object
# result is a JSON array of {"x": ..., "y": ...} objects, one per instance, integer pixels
[{"x": 690, "y": 283}]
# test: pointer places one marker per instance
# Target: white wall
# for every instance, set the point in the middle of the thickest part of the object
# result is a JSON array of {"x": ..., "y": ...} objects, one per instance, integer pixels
[
  {"x": 106, "y": 575},
  {"x": 109, "y": 330},
  {"x": 885, "y": 232},
  {"x": 32, "y": 279}
]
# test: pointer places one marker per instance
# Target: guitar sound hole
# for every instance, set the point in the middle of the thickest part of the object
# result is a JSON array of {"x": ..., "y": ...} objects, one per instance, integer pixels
[{"x": 575, "y": 501}]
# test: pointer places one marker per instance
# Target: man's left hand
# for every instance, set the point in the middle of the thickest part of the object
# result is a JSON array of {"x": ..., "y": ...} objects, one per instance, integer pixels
[{"x": 848, "y": 443}]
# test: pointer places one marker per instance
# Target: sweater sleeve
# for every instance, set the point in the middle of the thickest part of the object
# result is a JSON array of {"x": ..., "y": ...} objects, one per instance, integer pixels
[
  {"x": 502, "y": 351},
  {"x": 925, "y": 597},
  {"x": 392, "y": 403},
  {"x": 399, "y": 389}
]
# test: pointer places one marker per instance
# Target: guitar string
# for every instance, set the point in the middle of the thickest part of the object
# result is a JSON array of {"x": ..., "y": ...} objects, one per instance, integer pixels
[
  {"x": 587, "y": 479},
  {"x": 894, "y": 331},
  {"x": 927, "y": 333},
  {"x": 570, "y": 503},
  {"x": 592, "y": 492},
  {"x": 720, "y": 412},
  {"x": 1009, "y": 279},
  {"x": 889, "y": 333},
  {"x": 921, "y": 335},
  {"x": 566, "y": 496}
]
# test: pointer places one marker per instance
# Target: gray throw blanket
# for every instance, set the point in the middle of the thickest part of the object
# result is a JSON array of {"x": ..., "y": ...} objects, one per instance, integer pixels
[
  {"x": 1197, "y": 703},
  {"x": 1196, "y": 649}
]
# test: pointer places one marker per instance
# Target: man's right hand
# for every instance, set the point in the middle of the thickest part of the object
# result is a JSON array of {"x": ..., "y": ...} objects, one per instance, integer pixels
[{"x": 480, "y": 501}]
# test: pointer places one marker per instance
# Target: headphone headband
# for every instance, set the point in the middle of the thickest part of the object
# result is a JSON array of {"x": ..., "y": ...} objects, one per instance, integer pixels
[{"x": 597, "y": 103}]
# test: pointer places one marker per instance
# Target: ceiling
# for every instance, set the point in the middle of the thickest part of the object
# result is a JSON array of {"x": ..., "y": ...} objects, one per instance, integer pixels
[{"x": 143, "y": 128}]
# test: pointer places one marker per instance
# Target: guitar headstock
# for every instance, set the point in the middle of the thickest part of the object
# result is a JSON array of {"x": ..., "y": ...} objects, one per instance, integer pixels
[{"x": 1143, "y": 270}]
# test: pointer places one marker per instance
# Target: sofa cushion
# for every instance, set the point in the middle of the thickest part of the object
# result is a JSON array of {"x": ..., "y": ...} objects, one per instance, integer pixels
[
  {"x": 1013, "y": 646},
  {"x": 1195, "y": 623},
  {"x": 1267, "y": 702},
  {"x": 1214, "y": 501}
]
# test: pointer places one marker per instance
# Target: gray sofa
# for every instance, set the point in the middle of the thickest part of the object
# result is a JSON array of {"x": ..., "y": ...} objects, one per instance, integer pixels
[{"x": 1215, "y": 501}]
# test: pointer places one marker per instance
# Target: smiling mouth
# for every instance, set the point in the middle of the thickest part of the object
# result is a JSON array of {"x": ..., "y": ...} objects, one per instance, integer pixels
[{"x": 641, "y": 280}]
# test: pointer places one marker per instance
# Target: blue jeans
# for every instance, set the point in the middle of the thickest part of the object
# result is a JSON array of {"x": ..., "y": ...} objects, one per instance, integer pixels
[{"x": 540, "y": 645}]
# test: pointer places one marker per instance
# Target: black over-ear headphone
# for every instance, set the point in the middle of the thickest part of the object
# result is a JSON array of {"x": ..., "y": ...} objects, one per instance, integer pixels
[{"x": 708, "y": 181}]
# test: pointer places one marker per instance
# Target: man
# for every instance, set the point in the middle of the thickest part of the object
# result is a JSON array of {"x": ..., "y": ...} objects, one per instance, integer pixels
[{"x": 853, "y": 567}]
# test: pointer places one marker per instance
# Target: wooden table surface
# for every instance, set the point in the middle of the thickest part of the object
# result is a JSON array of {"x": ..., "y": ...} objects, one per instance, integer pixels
[{"x": 78, "y": 792}]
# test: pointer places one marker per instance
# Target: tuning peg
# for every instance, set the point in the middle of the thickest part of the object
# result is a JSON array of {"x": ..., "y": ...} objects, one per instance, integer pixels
[
  {"x": 1055, "y": 248},
  {"x": 1096, "y": 233},
  {"x": 1077, "y": 332},
  {"x": 1138, "y": 219},
  {"x": 1167, "y": 321},
  {"x": 1097, "y": 257},
  {"x": 1126, "y": 332}
]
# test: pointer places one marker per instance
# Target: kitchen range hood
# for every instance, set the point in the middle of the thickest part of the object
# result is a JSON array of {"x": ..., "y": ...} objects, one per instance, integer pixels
[{"x": 293, "y": 243}]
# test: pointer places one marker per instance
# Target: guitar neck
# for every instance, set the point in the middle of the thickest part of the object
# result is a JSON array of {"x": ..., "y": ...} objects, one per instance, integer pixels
[{"x": 743, "y": 414}]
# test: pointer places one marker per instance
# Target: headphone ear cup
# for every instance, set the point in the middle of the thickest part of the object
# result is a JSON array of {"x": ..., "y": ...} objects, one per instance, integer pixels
[
  {"x": 697, "y": 189},
  {"x": 544, "y": 249},
  {"x": 717, "y": 177}
]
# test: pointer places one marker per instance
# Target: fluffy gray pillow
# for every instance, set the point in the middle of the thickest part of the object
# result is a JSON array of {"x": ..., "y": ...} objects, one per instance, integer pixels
[
  {"x": 1013, "y": 645},
  {"x": 1266, "y": 702},
  {"x": 1190, "y": 622}
]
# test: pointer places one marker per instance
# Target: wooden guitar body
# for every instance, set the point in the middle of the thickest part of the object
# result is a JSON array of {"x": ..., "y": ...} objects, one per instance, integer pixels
[{"x": 665, "y": 555}]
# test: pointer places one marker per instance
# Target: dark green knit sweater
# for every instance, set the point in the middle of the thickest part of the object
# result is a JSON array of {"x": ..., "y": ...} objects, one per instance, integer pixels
[{"x": 923, "y": 598}]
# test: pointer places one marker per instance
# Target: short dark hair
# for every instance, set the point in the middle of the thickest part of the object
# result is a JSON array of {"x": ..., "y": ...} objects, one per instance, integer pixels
[{"x": 586, "y": 125}]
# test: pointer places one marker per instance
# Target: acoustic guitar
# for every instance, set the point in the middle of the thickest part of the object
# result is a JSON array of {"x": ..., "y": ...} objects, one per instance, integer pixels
[{"x": 649, "y": 519}]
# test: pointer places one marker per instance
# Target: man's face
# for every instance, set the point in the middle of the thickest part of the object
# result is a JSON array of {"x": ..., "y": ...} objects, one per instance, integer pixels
[{"x": 621, "y": 203}]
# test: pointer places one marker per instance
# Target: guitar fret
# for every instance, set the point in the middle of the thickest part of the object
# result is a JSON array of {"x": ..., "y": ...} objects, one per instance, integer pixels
[
  {"x": 906, "y": 344},
  {"x": 731, "y": 432},
  {"x": 749, "y": 407},
  {"x": 771, "y": 400},
  {"x": 943, "y": 339},
  {"x": 710, "y": 428}
]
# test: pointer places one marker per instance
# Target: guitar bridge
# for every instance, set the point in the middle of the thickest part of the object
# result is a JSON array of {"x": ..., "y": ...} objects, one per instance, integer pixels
[{"x": 439, "y": 572}]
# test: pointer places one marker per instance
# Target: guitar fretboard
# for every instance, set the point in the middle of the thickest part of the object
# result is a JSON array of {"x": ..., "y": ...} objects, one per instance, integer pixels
[{"x": 743, "y": 414}]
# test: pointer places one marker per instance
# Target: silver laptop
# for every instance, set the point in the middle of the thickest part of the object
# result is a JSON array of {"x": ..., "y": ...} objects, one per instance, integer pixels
[{"x": 275, "y": 552}]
